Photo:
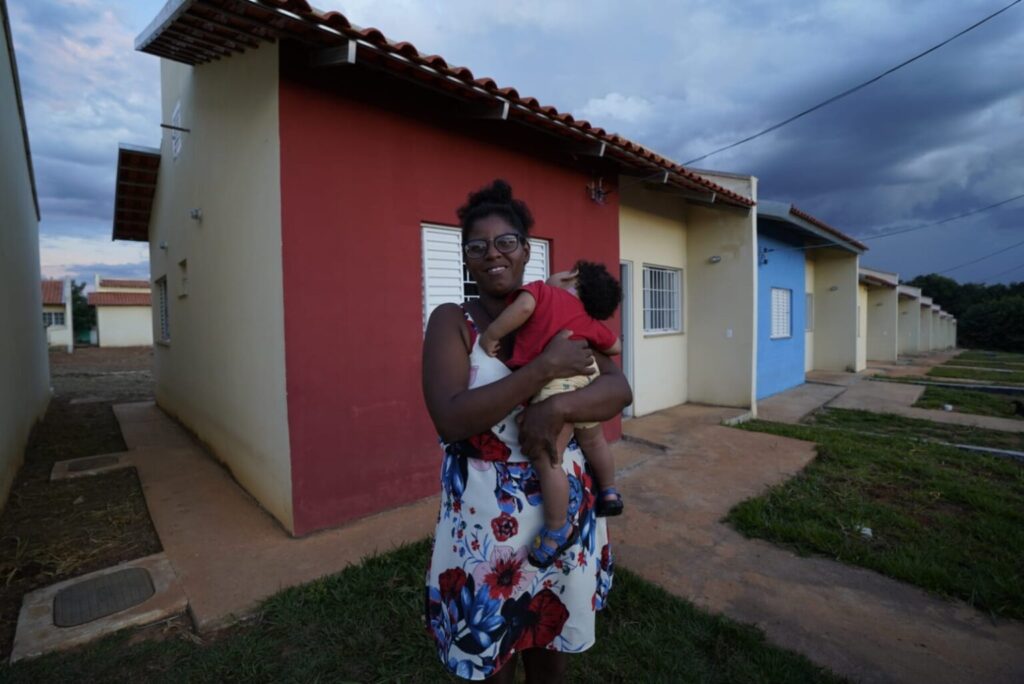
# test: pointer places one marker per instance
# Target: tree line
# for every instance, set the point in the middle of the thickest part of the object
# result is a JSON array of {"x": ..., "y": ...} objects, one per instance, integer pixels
[{"x": 988, "y": 316}]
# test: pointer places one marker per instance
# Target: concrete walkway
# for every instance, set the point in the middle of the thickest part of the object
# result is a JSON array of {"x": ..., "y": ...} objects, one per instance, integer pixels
[
  {"x": 795, "y": 404},
  {"x": 899, "y": 399},
  {"x": 860, "y": 624},
  {"x": 228, "y": 553}
]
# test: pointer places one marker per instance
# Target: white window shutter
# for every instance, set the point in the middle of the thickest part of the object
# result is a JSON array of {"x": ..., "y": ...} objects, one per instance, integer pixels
[
  {"x": 442, "y": 269},
  {"x": 537, "y": 268},
  {"x": 782, "y": 313}
]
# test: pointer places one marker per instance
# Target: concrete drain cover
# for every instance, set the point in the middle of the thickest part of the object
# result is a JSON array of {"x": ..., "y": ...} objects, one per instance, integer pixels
[
  {"x": 90, "y": 463},
  {"x": 101, "y": 596}
]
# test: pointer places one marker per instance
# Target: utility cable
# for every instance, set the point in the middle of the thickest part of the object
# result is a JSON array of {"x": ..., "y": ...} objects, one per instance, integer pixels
[
  {"x": 1009, "y": 270},
  {"x": 987, "y": 256},
  {"x": 851, "y": 91}
]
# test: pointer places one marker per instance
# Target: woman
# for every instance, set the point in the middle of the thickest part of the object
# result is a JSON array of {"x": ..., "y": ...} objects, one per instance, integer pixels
[{"x": 485, "y": 602}]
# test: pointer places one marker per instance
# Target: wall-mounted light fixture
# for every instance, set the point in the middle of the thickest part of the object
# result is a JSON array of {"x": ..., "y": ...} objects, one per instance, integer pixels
[
  {"x": 763, "y": 256},
  {"x": 715, "y": 259},
  {"x": 597, "y": 192},
  {"x": 833, "y": 288},
  {"x": 163, "y": 244},
  {"x": 196, "y": 215}
]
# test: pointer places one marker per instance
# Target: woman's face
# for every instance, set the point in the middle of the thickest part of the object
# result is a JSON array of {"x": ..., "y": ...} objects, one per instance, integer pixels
[{"x": 495, "y": 273}]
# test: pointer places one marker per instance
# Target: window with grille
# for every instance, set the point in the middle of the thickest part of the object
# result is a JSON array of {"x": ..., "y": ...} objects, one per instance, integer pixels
[
  {"x": 782, "y": 313},
  {"x": 445, "y": 278},
  {"x": 662, "y": 299},
  {"x": 809, "y": 312},
  {"x": 165, "y": 316},
  {"x": 53, "y": 318}
]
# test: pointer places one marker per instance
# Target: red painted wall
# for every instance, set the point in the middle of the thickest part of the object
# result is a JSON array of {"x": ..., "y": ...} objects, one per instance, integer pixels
[{"x": 357, "y": 182}]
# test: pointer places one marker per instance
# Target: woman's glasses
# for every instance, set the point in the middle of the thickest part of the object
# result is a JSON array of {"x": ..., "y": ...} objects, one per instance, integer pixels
[{"x": 506, "y": 244}]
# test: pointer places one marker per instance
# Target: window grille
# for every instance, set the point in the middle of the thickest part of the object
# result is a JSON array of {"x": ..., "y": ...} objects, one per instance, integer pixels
[
  {"x": 165, "y": 316},
  {"x": 53, "y": 318},
  {"x": 662, "y": 299},
  {"x": 782, "y": 313}
]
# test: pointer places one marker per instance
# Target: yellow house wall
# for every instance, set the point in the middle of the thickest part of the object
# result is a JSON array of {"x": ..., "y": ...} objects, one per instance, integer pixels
[
  {"x": 862, "y": 328},
  {"x": 24, "y": 367},
  {"x": 125, "y": 326},
  {"x": 652, "y": 231},
  {"x": 722, "y": 303},
  {"x": 809, "y": 334},
  {"x": 883, "y": 319},
  {"x": 926, "y": 329},
  {"x": 835, "y": 310},
  {"x": 223, "y": 372},
  {"x": 909, "y": 326}
]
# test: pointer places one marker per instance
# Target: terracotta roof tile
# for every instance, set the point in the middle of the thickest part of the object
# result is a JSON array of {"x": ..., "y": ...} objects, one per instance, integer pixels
[
  {"x": 113, "y": 282},
  {"x": 119, "y": 299},
  {"x": 827, "y": 228},
  {"x": 262, "y": 22},
  {"x": 53, "y": 292}
]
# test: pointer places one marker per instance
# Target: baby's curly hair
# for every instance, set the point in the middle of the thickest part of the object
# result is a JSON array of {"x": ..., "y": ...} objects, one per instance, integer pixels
[
  {"x": 599, "y": 291},
  {"x": 495, "y": 200}
]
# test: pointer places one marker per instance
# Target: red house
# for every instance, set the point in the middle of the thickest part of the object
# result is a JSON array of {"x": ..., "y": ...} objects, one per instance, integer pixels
[{"x": 301, "y": 218}]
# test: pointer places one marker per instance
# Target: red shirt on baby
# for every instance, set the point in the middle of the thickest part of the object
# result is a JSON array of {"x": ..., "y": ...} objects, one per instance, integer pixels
[{"x": 556, "y": 310}]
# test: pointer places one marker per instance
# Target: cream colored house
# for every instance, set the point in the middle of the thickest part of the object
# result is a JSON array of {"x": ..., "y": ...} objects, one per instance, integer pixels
[
  {"x": 24, "y": 369},
  {"x": 57, "y": 314},
  {"x": 910, "y": 319},
  {"x": 688, "y": 270},
  {"x": 882, "y": 314},
  {"x": 925, "y": 342},
  {"x": 124, "y": 312}
]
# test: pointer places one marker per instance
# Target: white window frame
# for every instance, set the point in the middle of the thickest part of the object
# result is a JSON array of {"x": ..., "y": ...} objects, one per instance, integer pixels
[
  {"x": 163, "y": 310},
  {"x": 781, "y": 313},
  {"x": 662, "y": 299},
  {"x": 809, "y": 312},
  {"x": 445, "y": 279},
  {"x": 53, "y": 318}
]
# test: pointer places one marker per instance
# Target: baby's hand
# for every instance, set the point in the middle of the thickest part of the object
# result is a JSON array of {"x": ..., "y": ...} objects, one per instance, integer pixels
[
  {"x": 556, "y": 459},
  {"x": 489, "y": 345}
]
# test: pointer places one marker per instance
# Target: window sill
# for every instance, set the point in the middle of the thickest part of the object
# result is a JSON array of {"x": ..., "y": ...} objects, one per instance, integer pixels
[
  {"x": 163, "y": 343},
  {"x": 662, "y": 333},
  {"x": 785, "y": 337}
]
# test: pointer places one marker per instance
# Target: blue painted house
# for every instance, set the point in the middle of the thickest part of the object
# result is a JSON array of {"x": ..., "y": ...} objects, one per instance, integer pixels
[{"x": 807, "y": 297}]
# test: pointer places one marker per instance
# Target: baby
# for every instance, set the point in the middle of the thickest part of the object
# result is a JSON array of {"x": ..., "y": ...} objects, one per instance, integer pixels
[{"x": 574, "y": 300}]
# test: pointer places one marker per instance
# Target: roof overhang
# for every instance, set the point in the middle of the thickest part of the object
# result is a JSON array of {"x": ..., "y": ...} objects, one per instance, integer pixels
[
  {"x": 908, "y": 292},
  {"x": 926, "y": 302},
  {"x": 811, "y": 227},
  {"x": 195, "y": 32},
  {"x": 137, "y": 172},
  {"x": 875, "y": 278}
]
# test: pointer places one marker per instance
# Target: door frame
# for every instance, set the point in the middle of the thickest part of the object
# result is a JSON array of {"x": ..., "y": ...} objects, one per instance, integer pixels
[{"x": 626, "y": 314}]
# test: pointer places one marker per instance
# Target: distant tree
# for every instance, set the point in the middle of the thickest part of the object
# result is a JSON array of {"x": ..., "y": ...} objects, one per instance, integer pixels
[
  {"x": 83, "y": 316},
  {"x": 996, "y": 324}
]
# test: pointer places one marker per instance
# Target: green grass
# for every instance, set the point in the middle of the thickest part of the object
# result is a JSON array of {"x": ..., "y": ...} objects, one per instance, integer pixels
[
  {"x": 914, "y": 428},
  {"x": 944, "y": 520},
  {"x": 996, "y": 377},
  {"x": 364, "y": 624},
  {"x": 1003, "y": 365},
  {"x": 967, "y": 401},
  {"x": 1004, "y": 357}
]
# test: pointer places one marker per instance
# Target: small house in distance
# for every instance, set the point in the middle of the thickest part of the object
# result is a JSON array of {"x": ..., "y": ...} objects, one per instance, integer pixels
[
  {"x": 910, "y": 320},
  {"x": 124, "y": 312},
  {"x": 57, "y": 314},
  {"x": 883, "y": 314}
]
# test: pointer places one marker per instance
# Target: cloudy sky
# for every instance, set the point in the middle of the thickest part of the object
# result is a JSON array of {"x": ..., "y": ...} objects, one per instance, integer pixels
[{"x": 941, "y": 137}]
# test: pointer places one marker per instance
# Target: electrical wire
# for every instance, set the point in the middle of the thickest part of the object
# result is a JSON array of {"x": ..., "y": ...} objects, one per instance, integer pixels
[
  {"x": 987, "y": 256},
  {"x": 939, "y": 223},
  {"x": 1009, "y": 270},
  {"x": 851, "y": 91}
]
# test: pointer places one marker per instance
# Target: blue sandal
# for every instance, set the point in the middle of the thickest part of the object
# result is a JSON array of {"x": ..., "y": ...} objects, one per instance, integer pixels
[
  {"x": 549, "y": 544},
  {"x": 606, "y": 507}
]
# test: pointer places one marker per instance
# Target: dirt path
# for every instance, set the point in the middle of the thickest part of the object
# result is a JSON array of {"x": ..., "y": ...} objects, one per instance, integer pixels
[
  {"x": 859, "y": 623},
  {"x": 51, "y": 531}
]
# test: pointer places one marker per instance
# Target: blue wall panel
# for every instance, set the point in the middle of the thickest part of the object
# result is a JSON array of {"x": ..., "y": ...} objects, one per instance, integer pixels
[{"x": 780, "y": 362}]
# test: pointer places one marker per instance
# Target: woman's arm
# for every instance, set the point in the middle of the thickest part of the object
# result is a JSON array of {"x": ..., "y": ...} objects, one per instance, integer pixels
[
  {"x": 459, "y": 412},
  {"x": 601, "y": 400}
]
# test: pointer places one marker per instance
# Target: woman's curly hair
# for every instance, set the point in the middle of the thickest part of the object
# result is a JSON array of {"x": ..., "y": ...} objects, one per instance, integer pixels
[
  {"x": 495, "y": 200},
  {"x": 598, "y": 289}
]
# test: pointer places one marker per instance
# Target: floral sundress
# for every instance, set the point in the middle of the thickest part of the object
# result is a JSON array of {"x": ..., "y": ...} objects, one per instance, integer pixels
[{"x": 485, "y": 600}]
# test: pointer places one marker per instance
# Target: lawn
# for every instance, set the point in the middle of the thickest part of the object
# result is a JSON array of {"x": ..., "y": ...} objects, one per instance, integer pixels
[
  {"x": 914, "y": 428},
  {"x": 948, "y": 521},
  {"x": 1003, "y": 365},
  {"x": 967, "y": 401},
  {"x": 1005, "y": 357},
  {"x": 364, "y": 625},
  {"x": 993, "y": 376}
]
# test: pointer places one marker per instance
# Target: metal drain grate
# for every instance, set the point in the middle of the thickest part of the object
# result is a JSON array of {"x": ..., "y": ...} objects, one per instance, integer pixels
[
  {"x": 101, "y": 596},
  {"x": 94, "y": 462}
]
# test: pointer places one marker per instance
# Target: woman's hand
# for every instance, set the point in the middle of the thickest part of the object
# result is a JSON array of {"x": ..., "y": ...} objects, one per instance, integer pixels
[
  {"x": 564, "y": 358},
  {"x": 539, "y": 427}
]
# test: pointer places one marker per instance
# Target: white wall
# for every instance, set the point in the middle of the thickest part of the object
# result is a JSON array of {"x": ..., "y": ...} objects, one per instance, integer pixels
[
  {"x": 809, "y": 335},
  {"x": 910, "y": 325},
  {"x": 652, "y": 231},
  {"x": 125, "y": 326},
  {"x": 835, "y": 310},
  {"x": 24, "y": 369},
  {"x": 223, "y": 372},
  {"x": 58, "y": 335},
  {"x": 883, "y": 319},
  {"x": 926, "y": 329},
  {"x": 722, "y": 319}
]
